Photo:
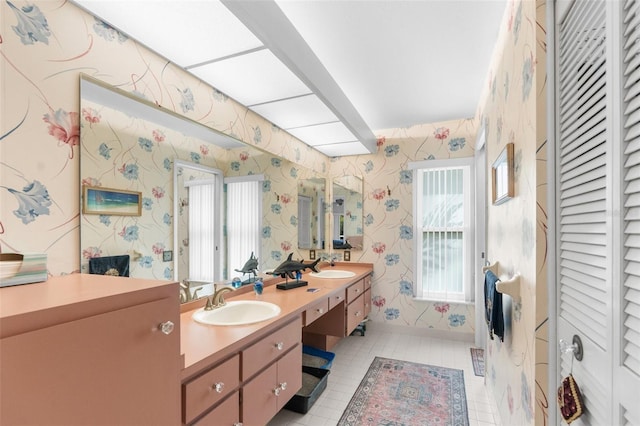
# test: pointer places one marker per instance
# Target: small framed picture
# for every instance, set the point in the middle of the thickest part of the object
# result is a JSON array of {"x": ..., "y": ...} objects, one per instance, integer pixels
[
  {"x": 312, "y": 255},
  {"x": 347, "y": 256},
  {"x": 502, "y": 176},
  {"x": 109, "y": 201}
]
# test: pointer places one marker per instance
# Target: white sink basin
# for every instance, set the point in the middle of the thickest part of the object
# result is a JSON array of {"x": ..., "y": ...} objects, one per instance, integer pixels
[
  {"x": 333, "y": 273},
  {"x": 238, "y": 312}
]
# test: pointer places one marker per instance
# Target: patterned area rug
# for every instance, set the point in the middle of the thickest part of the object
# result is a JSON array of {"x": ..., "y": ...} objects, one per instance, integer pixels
[
  {"x": 477, "y": 358},
  {"x": 407, "y": 393}
]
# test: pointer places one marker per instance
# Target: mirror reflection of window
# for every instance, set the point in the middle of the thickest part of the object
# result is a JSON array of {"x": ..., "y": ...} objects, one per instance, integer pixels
[
  {"x": 244, "y": 220},
  {"x": 202, "y": 234},
  {"x": 304, "y": 221}
]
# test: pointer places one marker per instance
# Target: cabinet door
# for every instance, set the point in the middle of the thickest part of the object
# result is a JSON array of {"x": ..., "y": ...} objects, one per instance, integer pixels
[
  {"x": 259, "y": 398},
  {"x": 270, "y": 390},
  {"x": 289, "y": 376},
  {"x": 112, "y": 368},
  {"x": 225, "y": 414},
  {"x": 355, "y": 314},
  {"x": 367, "y": 302}
]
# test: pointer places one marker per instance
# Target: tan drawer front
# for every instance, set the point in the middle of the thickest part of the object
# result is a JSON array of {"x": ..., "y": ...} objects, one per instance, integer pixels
[
  {"x": 355, "y": 290},
  {"x": 227, "y": 413},
  {"x": 335, "y": 299},
  {"x": 203, "y": 392},
  {"x": 367, "y": 282},
  {"x": 270, "y": 347},
  {"x": 355, "y": 314},
  {"x": 367, "y": 302},
  {"x": 316, "y": 311}
]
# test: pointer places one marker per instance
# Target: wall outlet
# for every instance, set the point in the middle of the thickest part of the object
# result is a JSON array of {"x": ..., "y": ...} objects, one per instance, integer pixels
[{"x": 167, "y": 255}]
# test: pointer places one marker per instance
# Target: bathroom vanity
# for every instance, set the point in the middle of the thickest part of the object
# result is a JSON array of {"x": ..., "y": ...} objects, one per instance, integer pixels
[
  {"x": 89, "y": 349},
  {"x": 267, "y": 355}
]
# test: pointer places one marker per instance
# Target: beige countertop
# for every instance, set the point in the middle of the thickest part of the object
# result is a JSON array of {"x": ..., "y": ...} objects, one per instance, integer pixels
[{"x": 203, "y": 344}]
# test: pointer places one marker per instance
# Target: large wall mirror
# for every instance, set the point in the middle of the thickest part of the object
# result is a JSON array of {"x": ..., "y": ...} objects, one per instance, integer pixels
[
  {"x": 311, "y": 213},
  {"x": 346, "y": 208},
  {"x": 131, "y": 146}
]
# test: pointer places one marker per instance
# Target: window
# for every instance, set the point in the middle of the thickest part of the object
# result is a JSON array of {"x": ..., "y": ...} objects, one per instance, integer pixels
[
  {"x": 203, "y": 233},
  {"x": 443, "y": 231},
  {"x": 244, "y": 220}
]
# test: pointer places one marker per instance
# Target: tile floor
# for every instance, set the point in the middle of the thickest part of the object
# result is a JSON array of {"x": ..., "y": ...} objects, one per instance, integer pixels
[{"x": 354, "y": 354}]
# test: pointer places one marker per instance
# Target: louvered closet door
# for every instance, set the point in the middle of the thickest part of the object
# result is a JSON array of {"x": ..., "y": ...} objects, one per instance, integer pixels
[
  {"x": 599, "y": 204},
  {"x": 584, "y": 204},
  {"x": 627, "y": 362}
]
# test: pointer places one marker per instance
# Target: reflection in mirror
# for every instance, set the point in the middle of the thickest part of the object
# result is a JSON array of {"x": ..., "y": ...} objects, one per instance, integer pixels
[
  {"x": 311, "y": 220},
  {"x": 197, "y": 227},
  {"x": 127, "y": 143},
  {"x": 346, "y": 208},
  {"x": 130, "y": 144}
]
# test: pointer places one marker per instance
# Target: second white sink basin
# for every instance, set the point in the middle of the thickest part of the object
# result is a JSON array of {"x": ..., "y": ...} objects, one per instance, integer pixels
[
  {"x": 333, "y": 273},
  {"x": 239, "y": 312}
]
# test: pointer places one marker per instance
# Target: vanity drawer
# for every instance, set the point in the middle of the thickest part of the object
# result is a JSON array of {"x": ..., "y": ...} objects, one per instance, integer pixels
[
  {"x": 211, "y": 387},
  {"x": 367, "y": 302},
  {"x": 355, "y": 290},
  {"x": 316, "y": 311},
  {"x": 335, "y": 299},
  {"x": 355, "y": 314},
  {"x": 367, "y": 282},
  {"x": 227, "y": 413},
  {"x": 271, "y": 347}
]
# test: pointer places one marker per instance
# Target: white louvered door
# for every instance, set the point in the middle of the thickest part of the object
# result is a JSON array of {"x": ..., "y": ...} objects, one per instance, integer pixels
[
  {"x": 598, "y": 190},
  {"x": 626, "y": 372}
]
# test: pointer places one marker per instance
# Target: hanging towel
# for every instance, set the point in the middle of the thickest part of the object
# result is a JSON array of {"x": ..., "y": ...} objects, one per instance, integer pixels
[
  {"x": 493, "y": 306},
  {"x": 110, "y": 265}
]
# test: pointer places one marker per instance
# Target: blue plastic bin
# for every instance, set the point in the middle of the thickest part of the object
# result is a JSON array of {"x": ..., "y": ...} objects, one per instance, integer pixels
[{"x": 319, "y": 353}]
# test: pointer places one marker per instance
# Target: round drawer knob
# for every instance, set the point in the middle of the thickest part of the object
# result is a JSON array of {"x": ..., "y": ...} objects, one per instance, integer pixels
[
  {"x": 166, "y": 327},
  {"x": 279, "y": 346},
  {"x": 358, "y": 313},
  {"x": 218, "y": 387},
  {"x": 321, "y": 311},
  {"x": 276, "y": 391},
  {"x": 283, "y": 385}
]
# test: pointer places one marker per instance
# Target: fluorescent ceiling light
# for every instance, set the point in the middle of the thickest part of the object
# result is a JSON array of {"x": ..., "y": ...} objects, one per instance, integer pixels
[
  {"x": 323, "y": 134},
  {"x": 177, "y": 30},
  {"x": 254, "y": 78},
  {"x": 296, "y": 112},
  {"x": 341, "y": 149}
]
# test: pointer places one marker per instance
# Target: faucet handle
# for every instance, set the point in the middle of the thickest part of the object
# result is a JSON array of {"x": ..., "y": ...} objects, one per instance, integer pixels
[{"x": 209, "y": 305}]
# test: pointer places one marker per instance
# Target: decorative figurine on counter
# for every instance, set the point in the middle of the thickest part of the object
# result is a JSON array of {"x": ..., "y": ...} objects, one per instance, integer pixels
[
  {"x": 293, "y": 269},
  {"x": 250, "y": 267}
]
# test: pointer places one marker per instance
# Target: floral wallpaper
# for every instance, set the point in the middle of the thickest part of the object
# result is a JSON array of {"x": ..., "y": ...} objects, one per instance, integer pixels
[
  {"x": 514, "y": 111},
  {"x": 45, "y": 45}
]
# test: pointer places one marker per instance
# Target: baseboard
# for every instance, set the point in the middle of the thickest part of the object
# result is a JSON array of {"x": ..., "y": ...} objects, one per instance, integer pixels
[{"x": 421, "y": 331}]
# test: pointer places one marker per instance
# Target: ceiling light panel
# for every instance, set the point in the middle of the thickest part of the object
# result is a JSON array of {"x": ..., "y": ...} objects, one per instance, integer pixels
[
  {"x": 177, "y": 30},
  {"x": 296, "y": 112},
  {"x": 341, "y": 149},
  {"x": 254, "y": 78},
  {"x": 323, "y": 134}
]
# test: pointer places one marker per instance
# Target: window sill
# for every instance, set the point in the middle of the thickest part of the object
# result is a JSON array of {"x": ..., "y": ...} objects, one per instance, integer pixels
[{"x": 452, "y": 302}]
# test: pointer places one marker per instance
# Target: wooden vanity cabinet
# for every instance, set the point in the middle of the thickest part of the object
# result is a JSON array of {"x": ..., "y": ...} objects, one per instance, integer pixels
[
  {"x": 267, "y": 393},
  {"x": 347, "y": 309},
  {"x": 251, "y": 385},
  {"x": 90, "y": 350}
]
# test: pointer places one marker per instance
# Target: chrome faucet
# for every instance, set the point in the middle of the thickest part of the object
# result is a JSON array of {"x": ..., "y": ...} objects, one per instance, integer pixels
[{"x": 217, "y": 299}]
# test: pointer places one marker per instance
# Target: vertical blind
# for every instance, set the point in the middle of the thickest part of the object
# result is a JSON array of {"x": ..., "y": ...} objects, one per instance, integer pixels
[
  {"x": 444, "y": 238},
  {"x": 202, "y": 247},
  {"x": 244, "y": 220}
]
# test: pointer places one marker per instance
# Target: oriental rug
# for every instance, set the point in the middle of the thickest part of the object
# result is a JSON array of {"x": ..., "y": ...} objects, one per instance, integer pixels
[
  {"x": 477, "y": 359},
  {"x": 398, "y": 393}
]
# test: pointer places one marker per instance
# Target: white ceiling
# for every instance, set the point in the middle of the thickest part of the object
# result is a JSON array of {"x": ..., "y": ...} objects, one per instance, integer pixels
[{"x": 330, "y": 72}]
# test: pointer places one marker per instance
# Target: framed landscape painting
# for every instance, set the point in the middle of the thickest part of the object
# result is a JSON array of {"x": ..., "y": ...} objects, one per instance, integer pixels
[{"x": 120, "y": 202}]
